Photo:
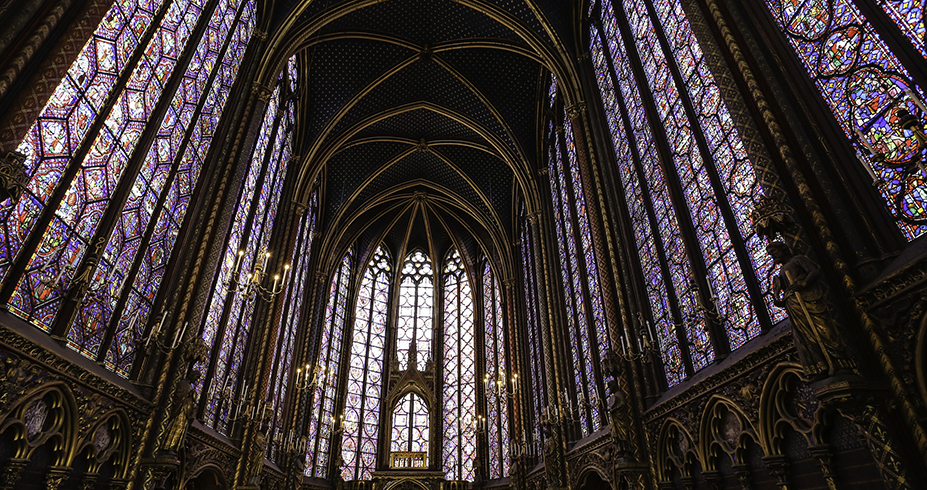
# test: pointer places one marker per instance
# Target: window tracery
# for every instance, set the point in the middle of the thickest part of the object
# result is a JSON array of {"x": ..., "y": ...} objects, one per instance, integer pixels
[
  {"x": 366, "y": 369},
  {"x": 88, "y": 156}
]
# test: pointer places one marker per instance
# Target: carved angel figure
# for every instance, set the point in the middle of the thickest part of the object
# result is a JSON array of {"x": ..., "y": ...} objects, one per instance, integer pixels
[{"x": 182, "y": 412}]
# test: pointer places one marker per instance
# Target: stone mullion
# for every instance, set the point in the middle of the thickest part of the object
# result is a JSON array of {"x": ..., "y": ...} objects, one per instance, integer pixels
[
  {"x": 679, "y": 204},
  {"x": 224, "y": 320},
  {"x": 73, "y": 167},
  {"x": 272, "y": 314},
  {"x": 287, "y": 309},
  {"x": 822, "y": 228},
  {"x": 162, "y": 198},
  {"x": 436, "y": 414},
  {"x": 515, "y": 423}
]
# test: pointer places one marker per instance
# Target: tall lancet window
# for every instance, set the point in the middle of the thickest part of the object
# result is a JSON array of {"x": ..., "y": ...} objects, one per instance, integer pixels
[
  {"x": 690, "y": 202},
  {"x": 416, "y": 302},
  {"x": 497, "y": 380},
  {"x": 326, "y": 372},
  {"x": 228, "y": 320},
  {"x": 115, "y": 164},
  {"x": 365, "y": 376},
  {"x": 459, "y": 371},
  {"x": 537, "y": 379},
  {"x": 579, "y": 271},
  {"x": 292, "y": 319},
  {"x": 866, "y": 86}
]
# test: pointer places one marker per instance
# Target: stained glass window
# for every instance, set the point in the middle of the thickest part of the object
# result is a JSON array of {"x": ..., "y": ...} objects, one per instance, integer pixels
[
  {"x": 416, "y": 303},
  {"x": 410, "y": 425},
  {"x": 866, "y": 85},
  {"x": 708, "y": 160},
  {"x": 325, "y": 372},
  {"x": 365, "y": 375},
  {"x": 582, "y": 295},
  {"x": 535, "y": 353},
  {"x": 291, "y": 320},
  {"x": 230, "y": 313},
  {"x": 910, "y": 16},
  {"x": 497, "y": 379},
  {"x": 459, "y": 371},
  {"x": 159, "y": 180}
]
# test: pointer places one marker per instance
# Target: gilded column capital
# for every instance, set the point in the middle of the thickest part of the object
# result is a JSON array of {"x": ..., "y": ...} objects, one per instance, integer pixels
[
  {"x": 262, "y": 92},
  {"x": 576, "y": 110}
]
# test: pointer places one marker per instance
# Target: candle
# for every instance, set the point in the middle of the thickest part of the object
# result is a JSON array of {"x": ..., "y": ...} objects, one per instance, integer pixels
[
  {"x": 241, "y": 254},
  {"x": 178, "y": 337},
  {"x": 276, "y": 280},
  {"x": 264, "y": 265}
]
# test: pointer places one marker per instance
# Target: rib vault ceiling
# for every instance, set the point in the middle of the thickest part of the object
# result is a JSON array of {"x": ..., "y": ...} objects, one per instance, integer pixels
[{"x": 420, "y": 118}]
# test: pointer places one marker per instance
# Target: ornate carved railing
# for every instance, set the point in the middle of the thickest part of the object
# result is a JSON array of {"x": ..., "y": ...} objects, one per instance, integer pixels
[{"x": 407, "y": 460}]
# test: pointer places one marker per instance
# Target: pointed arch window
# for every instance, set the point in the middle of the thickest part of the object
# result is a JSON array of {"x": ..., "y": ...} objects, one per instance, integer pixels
[
  {"x": 227, "y": 325},
  {"x": 687, "y": 182},
  {"x": 496, "y": 378},
  {"x": 114, "y": 159},
  {"x": 459, "y": 371},
  {"x": 416, "y": 305},
  {"x": 322, "y": 411},
  {"x": 365, "y": 376},
  {"x": 291, "y": 320},
  {"x": 410, "y": 426},
  {"x": 866, "y": 85},
  {"x": 579, "y": 272}
]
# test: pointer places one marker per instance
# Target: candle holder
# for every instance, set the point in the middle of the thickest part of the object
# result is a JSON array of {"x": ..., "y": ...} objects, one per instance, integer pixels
[
  {"x": 155, "y": 338},
  {"x": 252, "y": 286},
  {"x": 498, "y": 387}
]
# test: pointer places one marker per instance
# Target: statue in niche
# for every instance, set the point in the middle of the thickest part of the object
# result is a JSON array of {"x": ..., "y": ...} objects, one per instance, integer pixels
[
  {"x": 551, "y": 450},
  {"x": 182, "y": 412},
  {"x": 799, "y": 289},
  {"x": 256, "y": 457},
  {"x": 618, "y": 417}
]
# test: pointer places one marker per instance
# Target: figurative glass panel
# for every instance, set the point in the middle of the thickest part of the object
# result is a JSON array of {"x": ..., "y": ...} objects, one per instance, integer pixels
[
  {"x": 291, "y": 320},
  {"x": 233, "y": 314},
  {"x": 459, "y": 371},
  {"x": 410, "y": 425},
  {"x": 66, "y": 239},
  {"x": 656, "y": 230},
  {"x": 416, "y": 303},
  {"x": 866, "y": 86},
  {"x": 535, "y": 345},
  {"x": 578, "y": 271},
  {"x": 496, "y": 381},
  {"x": 365, "y": 374},
  {"x": 325, "y": 373}
]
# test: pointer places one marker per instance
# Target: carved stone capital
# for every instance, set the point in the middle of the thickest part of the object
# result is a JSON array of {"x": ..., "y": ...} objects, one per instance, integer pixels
[
  {"x": 770, "y": 217},
  {"x": 261, "y": 92},
  {"x": 13, "y": 178},
  {"x": 576, "y": 110}
]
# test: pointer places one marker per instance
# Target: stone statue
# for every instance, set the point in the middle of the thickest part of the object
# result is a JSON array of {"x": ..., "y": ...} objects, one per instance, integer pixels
[
  {"x": 182, "y": 412},
  {"x": 618, "y": 416},
  {"x": 256, "y": 457},
  {"x": 551, "y": 451},
  {"x": 799, "y": 289}
]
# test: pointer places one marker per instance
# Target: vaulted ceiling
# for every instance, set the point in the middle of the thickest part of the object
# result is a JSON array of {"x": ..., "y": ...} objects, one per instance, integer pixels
[{"x": 427, "y": 107}]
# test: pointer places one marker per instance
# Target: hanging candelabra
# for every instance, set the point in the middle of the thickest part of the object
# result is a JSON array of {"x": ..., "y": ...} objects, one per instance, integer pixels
[
  {"x": 253, "y": 285},
  {"x": 498, "y": 387}
]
